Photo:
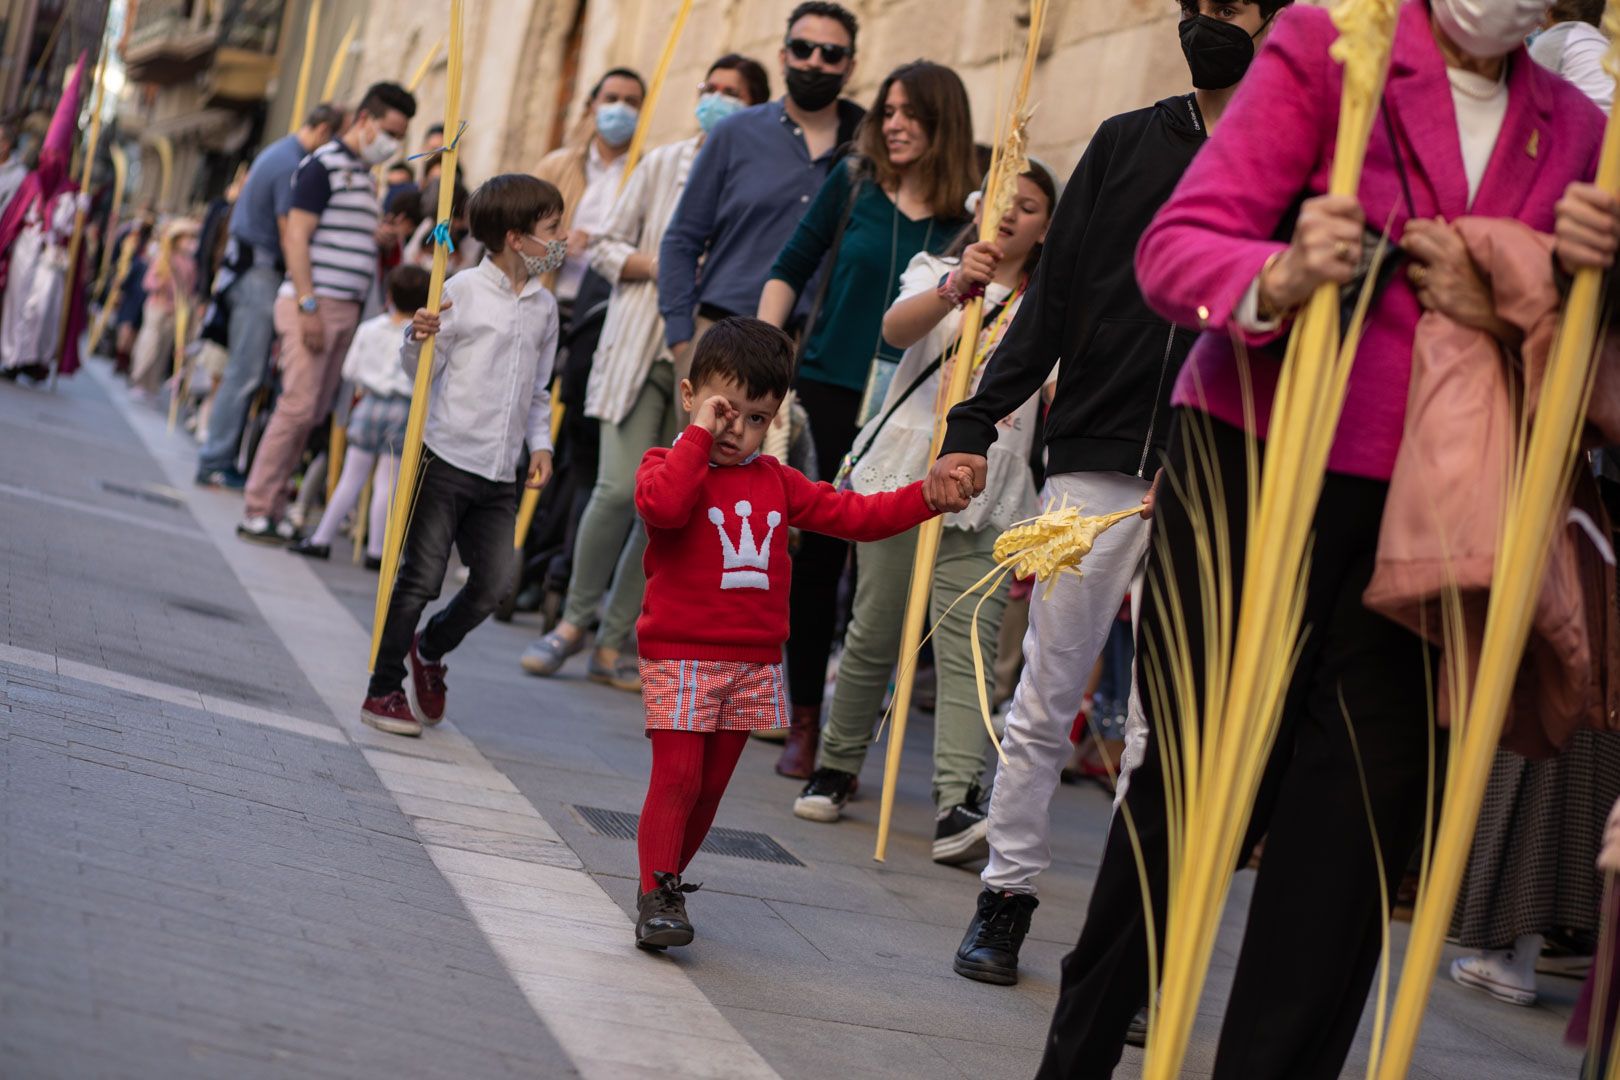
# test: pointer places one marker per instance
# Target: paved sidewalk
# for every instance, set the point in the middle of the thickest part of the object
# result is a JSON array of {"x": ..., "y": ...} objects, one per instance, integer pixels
[{"x": 211, "y": 869}]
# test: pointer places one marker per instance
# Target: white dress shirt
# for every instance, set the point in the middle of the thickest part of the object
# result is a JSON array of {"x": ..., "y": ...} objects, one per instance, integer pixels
[
  {"x": 1576, "y": 50},
  {"x": 492, "y": 366},
  {"x": 372, "y": 363}
]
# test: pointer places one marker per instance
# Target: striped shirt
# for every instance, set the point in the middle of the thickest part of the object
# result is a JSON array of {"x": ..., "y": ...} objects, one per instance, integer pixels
[
  {"x": 335, "y": 185},
  {"x": 633, "y": 333}
]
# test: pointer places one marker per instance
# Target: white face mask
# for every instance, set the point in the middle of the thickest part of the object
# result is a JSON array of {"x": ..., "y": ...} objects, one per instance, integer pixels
[
  {"x": 1488, "y": 28},
  {"x": 382, "y": 147}
]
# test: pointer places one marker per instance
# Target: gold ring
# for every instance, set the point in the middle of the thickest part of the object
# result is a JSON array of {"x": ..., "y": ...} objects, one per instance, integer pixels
[
  {"x": 1419, "y": 274},
  {"x": 1344, "y": 252}
]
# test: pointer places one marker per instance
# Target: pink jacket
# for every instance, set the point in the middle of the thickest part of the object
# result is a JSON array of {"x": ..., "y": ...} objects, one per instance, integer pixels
[
  {"x": 1447, "y": 494},
  {"x": 1274, "y": 147}
]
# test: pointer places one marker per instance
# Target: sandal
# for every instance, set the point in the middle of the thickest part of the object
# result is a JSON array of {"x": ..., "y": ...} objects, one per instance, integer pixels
[
  {"x": 623, "y": 674},
  {"x": 546, "y": 655}
]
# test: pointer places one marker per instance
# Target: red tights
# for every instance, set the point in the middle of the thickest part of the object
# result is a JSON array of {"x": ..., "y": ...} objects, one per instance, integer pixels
[{"x": 690, "y": 771}]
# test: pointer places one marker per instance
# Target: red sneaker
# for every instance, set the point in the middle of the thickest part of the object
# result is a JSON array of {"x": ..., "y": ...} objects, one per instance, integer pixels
[
  {"x": 426, "y": 688},
  {"x": 390, "y": 713}
]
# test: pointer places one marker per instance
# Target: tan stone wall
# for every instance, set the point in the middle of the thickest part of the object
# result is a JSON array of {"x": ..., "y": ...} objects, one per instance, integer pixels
[{"x": 1099, "y": 57}]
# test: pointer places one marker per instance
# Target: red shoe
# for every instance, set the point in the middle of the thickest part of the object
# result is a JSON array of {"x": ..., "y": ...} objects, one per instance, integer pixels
[
  {"x": 390, "y": 713},
  {"x": 425, "y": 690}
]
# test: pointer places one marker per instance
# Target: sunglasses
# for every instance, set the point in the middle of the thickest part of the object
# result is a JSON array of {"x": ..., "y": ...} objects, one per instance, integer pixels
[{"x": 801, "y": 49}]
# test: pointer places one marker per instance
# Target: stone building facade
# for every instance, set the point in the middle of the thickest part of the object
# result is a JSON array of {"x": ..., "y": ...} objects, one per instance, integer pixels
[{"x": 529, "y": 63}]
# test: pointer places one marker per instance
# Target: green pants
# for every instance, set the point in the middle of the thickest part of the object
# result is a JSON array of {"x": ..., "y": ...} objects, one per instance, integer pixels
[
  {"x": 609, "y": 535},
  {"x": 872, "y": 645}
]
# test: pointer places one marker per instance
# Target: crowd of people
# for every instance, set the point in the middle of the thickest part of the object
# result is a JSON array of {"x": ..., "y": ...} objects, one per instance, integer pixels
[{"x": 723, "y": 369}]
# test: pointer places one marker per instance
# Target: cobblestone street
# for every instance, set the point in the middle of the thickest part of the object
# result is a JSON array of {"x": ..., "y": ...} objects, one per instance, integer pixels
[{"x": 210, "y": 868}]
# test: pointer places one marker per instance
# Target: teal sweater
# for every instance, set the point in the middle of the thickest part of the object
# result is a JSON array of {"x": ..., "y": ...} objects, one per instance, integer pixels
[{"x": 878, "y": 244}]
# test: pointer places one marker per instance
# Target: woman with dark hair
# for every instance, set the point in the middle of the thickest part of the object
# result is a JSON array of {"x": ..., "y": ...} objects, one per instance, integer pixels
[
  {"x": 901, "y": 192},
  {"x": 894, "y": 449},
  {"x": 631, "y": 391}
]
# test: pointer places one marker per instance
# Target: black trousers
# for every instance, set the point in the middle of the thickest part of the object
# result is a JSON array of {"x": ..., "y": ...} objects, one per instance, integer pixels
[
  {"x": 478, "y": 517},
  {"x": 819, "y": 562},
  {"x": 1310, "y": 948}
]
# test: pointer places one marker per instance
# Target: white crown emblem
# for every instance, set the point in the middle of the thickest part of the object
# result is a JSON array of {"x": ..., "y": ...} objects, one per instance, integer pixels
[{"x": 745, "y": 564}]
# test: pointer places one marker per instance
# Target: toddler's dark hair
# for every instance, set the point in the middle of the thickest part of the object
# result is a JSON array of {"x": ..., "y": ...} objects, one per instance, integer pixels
[
  {"x": 511, "y": 202},
  {"x": 407, "y": 288},
  {"x": 753, "y": 354}
]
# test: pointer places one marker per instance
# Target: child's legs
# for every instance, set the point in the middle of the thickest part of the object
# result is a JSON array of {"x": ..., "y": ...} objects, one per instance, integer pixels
[
  {"x": 382, "y": 488},
  {"x": 440, "y": 505},
  {"x": 673, "y": 790},
  {"x": 484, "y": 538},
  {"x": 960, "y": 737},
  {"x": 721, "y": 752},
  {"x": 356, "y": 467},
  {"x": 871, "y": 644},
  {"x": 154, "y": 349}
]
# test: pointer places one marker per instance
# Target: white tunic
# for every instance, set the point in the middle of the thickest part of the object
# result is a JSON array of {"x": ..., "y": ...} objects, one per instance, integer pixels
[{"x": 31, "y": 313}]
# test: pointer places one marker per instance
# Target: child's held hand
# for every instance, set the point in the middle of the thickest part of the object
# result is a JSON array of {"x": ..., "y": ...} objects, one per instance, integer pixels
[
  {"x": 950, "y": 492},
  {"x": 539, "y": 470},
  {"x": 425, "y": 323},
  {"x": 715, "y": 414}
]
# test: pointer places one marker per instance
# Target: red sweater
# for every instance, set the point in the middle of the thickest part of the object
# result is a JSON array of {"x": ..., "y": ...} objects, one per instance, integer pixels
[{"x": 717, "y": 561}]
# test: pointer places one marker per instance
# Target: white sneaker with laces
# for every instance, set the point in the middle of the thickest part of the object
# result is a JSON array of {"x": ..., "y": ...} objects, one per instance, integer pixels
[{"x": 1506, "y": 974}]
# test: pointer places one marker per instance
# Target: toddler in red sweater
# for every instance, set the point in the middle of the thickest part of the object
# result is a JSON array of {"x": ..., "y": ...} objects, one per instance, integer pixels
[{"x": 715, "y": 613}]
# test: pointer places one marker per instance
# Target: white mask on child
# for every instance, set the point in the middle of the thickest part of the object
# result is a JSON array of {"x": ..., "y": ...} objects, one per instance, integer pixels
[{"x": 556, "y": 253}]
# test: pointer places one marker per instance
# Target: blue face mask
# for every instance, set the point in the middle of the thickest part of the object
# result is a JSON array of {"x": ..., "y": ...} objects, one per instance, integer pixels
[
  {"x": 715, "y": 107},
  {"x": 616, "y": 123}
]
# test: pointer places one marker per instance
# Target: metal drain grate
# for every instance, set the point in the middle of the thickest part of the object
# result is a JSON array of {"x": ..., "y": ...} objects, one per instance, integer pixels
[{"x": 737, "y": 843}]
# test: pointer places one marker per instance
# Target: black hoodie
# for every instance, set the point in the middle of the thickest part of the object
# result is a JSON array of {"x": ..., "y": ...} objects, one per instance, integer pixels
[{"x": 1117, "y": 359}]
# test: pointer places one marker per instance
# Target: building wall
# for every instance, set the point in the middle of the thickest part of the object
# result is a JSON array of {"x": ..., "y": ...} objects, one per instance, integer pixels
[{"x": 1099, "y": 57}]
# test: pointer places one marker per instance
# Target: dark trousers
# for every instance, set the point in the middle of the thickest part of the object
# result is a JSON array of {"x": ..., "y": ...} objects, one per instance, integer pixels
[
  {"x": 477, "y": 516},
  {"x": 1311, "y": 945},
  {"x": 819, "y": 562}
]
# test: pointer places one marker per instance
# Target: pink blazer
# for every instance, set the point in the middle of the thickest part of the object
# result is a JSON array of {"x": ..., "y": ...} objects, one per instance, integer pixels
[{"x": 1274, "y": 147}]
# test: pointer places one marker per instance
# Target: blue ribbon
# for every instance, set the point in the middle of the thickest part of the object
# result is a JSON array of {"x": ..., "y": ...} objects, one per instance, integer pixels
[
  {"x": 441, "y": 235},
  {"x": 451, "y": 145}
]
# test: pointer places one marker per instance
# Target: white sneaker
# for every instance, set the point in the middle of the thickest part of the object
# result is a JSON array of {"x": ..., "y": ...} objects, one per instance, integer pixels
[{"x": 1506, "y": 974}]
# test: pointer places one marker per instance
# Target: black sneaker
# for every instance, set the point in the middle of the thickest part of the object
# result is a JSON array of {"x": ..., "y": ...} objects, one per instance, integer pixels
[
  {"x": 961, "y": 832},
  {"x": 373, "y": 562},
  {"x": 311, "y": 551},
  {"x": 989, "y": 949},
  {"x": 825, "y": 795},
  {"x": 228, "y": 478},
  {"x": 1136, "y": 1034},
  {"x": 661, "y": 914}
]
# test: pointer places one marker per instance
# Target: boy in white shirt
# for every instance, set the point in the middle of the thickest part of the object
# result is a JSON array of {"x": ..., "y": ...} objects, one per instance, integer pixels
[
  {"x": 497, "y": 341},
  {"x": 377, "y": 422}
]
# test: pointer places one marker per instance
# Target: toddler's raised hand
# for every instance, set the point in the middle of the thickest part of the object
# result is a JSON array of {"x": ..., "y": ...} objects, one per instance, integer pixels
[{"x": 715, "y": 414}]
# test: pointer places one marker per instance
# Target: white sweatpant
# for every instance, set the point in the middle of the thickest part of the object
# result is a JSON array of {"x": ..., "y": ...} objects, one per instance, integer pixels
[{"x": 1067, "y": 630}]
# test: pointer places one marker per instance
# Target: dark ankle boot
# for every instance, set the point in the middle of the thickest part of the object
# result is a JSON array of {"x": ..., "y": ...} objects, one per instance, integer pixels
[
  {"x": 989, "y": 949},
  {"x": 798, "y": 758},
  {"x": 661, "y": 914}
]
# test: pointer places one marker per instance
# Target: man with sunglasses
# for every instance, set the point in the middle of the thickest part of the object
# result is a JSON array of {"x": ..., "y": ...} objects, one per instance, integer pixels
[{"x": 754, "y": 179}]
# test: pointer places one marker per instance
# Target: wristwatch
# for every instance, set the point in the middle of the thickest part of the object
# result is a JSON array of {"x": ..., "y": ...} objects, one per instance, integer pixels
[{"x": 307, "y": 305}]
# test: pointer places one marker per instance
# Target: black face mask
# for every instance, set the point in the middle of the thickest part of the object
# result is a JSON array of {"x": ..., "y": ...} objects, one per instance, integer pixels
[
  {"x": 813, "y": 90},
  {"x": 1218, "y": 53}
]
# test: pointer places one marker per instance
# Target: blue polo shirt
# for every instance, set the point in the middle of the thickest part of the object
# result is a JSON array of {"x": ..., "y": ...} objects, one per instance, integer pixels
[
  {"x": 751, "y": 183},
  {"x": 266, "y": 194}
]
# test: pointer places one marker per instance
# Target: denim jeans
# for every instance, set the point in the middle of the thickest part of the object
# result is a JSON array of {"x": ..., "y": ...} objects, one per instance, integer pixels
[
  {"x": 252, "y": 328},
  {"x": 477, "y": 516}
]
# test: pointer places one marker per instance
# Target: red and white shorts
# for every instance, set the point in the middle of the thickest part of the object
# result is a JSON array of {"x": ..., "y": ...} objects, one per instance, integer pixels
[{"x": 713, "y": 695}]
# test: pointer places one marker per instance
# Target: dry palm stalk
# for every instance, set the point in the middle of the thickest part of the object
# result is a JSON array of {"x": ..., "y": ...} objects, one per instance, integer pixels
[
  {"x": 339, "y": 60},
  {"x": 126, "y": 256},
  {"x": 1538, "y": 492},
  {"x": 305, "y": 66},
  {"x": 1007, "y": 164},
  {"x": 1214, "y": 772},
  {"x": 76, "y": 241},
  {"x": 403, "y": 499},
  {"x": 120, "y": 162}
]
